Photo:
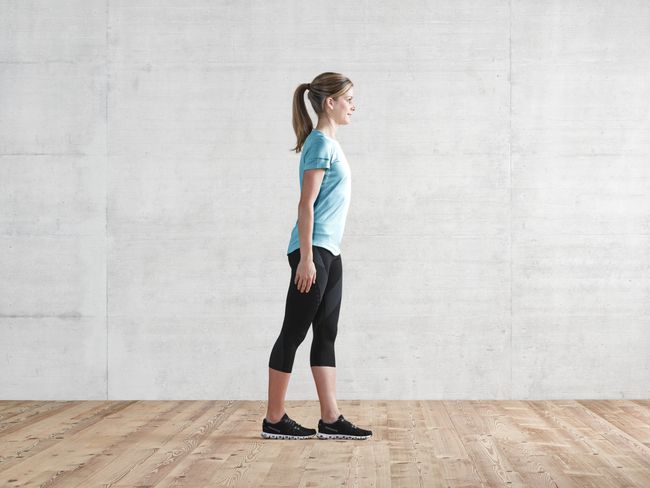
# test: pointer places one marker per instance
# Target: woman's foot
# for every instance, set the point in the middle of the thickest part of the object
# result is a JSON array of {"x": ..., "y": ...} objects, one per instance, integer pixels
[
  {"x": 341, "y": 429},
  {"x": 286, "y": 428}
]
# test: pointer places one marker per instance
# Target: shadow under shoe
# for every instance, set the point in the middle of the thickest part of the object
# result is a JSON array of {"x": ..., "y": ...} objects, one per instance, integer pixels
[
  {"x": 286, "y": 428},
  {"x": 341, "y": 429}
]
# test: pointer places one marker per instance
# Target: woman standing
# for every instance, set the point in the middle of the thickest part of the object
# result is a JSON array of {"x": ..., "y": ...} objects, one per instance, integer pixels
[{"x": 315, "y": 258}]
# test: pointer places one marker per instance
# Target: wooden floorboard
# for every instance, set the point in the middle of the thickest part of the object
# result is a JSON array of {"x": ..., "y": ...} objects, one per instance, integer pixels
[{"x": 416, "y": 443}]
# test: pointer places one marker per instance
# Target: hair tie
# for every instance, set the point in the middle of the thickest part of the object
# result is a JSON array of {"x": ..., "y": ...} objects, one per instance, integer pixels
[{"x": 308, "y": 86}]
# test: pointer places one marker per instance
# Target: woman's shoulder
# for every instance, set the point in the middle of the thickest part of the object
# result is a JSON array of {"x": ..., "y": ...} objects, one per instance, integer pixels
[{"x": 317, "y": 139}]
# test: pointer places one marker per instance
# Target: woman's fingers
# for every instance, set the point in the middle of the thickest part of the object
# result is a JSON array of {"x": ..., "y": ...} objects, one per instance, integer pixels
[
  {"x": 304, "y": 283},
  {"x": 301, "y": 285},
  {"x": 309, "y": 283}
]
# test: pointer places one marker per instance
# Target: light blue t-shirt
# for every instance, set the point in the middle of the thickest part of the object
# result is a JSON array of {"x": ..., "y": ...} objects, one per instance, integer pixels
[{"x": 333, "y": 200}]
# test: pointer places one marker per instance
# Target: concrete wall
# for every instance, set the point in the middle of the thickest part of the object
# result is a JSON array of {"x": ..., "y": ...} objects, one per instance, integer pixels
[{"x": 498, "y": 240}]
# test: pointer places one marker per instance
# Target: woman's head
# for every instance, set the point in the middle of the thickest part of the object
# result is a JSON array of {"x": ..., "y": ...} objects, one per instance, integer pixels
[{"x": 331, "y": 96}]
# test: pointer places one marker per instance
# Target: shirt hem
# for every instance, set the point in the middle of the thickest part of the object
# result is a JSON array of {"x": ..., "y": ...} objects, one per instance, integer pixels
[{"x": 331, "y": 249}]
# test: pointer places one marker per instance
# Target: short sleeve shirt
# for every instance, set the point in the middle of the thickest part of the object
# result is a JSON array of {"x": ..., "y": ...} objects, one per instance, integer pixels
[{"x": 333, "y": 200}]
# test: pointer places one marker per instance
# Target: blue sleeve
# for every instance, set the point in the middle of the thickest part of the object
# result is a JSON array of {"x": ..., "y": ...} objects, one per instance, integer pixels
[{"x": 318, "y": 155}]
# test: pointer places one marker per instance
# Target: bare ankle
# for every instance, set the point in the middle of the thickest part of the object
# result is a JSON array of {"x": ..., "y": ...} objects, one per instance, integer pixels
[
  {"x": 328, "y": 419},
  {"x": 274, "y": 419}
]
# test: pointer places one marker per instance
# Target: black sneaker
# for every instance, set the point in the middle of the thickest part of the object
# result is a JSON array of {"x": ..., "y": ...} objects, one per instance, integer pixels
[
  {"x": 286, "y": 428},
  {"x": 341, "y": 429}
]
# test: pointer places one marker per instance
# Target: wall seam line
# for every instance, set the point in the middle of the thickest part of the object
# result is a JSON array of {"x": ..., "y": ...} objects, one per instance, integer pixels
[
  {"x": 106, "y": 183},
  {"x": 510, "y": 170}
]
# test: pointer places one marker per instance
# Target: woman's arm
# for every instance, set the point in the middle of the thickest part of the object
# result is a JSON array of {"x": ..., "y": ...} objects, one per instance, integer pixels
[{"x": 311, "y": 181}]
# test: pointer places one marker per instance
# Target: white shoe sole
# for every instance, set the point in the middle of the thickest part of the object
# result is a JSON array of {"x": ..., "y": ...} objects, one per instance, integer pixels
[
  {"x": 268, "y": 435},
  {"x": 322, "y": 435}
]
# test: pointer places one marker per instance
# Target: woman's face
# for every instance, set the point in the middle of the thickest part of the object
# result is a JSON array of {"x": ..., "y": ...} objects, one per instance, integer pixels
[{"x": 343, "y": 107}]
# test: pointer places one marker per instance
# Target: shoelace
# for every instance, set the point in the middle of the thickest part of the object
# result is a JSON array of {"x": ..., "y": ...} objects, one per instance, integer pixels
[
  {"x": 293, "y": 424},
  {"x": 349, "y": 423}
]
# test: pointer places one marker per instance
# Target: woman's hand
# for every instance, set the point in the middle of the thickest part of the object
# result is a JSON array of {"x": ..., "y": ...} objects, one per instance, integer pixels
[{"x": 305, "y": 275}]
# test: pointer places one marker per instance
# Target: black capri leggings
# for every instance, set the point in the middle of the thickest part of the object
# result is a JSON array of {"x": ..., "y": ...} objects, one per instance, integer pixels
[{"x": 321, "y": 305}]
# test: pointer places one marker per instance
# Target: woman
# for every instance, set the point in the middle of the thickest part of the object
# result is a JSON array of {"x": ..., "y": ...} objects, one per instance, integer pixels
[{"x": 315, "y": 258}]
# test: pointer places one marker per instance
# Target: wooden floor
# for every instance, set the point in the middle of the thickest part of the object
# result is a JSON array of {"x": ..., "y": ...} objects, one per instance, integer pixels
[{"x": 415, "y": 444}]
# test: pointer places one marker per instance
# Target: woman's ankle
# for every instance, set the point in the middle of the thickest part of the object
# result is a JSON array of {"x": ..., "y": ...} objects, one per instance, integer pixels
[
  {"x": 330, "y": 419},
  {"x": 274, "y": 419}
]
